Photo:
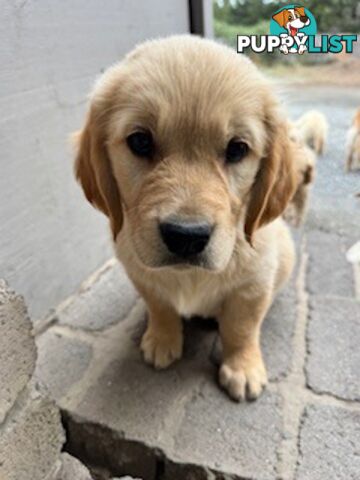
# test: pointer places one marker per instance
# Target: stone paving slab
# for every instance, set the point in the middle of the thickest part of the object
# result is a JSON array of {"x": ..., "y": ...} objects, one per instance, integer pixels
[
  {"x": 62, "y": 361},
  {"x": 277, "y": 333},
  {"x": 105, "y": 303},
  {"x": 159, "y": 411},
  {"x": 205, "y": 432},
  {"x": 223, "y": 436},
  {"x": 329, "y": 273},
  {"x": 132, "y": 397},
  {"x": 329, "y": 444},
  {"x": 178, "y": 421},
  {"x": 333, "y": 360}
]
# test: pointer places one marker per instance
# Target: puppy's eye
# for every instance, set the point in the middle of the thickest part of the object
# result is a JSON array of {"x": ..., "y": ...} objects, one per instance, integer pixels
[
  {"x": 141, "y": 144},
  {"x": 236, "y": 151}
]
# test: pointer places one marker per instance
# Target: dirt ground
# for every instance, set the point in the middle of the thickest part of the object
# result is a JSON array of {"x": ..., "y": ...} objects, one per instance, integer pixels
[{"x": 343, "y": 71}]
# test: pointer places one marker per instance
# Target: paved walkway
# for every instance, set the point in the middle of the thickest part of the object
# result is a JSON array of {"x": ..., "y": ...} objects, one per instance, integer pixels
[{"x": 124, "y": 416}]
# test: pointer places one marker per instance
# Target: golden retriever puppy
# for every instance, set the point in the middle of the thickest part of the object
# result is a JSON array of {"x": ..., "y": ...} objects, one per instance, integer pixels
[
  {"x": 185, "y": 150},
  {"x": 353, "y": 144},
  {"x": 305, "y": 165},
  {"x": 312, "y": 128}
]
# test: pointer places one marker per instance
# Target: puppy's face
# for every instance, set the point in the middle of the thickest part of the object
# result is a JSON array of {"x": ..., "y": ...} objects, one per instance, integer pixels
[
  {"x": 292, "y": 17},
  {"x": 183, "y": 149}
]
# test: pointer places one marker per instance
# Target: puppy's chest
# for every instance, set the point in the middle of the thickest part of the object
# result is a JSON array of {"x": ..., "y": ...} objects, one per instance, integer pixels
[{"x": 192, "y": 297}]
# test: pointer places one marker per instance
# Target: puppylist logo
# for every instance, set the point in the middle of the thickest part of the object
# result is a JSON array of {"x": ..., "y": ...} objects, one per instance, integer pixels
[{"x": 293, "y": 30}]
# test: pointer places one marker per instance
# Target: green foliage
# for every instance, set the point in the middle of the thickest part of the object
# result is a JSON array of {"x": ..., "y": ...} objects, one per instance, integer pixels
[
  {"x": 228, "y": 33},
  {"x": 244, "y": 12},
  {"x": 335, "y": 15}
]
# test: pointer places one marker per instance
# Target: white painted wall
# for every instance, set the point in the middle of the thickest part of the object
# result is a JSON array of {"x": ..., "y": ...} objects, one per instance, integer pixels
[{"x": 50, "y": 53}]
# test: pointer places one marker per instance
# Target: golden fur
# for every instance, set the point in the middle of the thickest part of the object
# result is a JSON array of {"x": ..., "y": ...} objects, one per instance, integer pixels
[
  {"x": 194, "y": 96},
  {"x": 353, "y": 144},
  {"x": 305, "y": 166},
  {"x": 312, "y": 128}
]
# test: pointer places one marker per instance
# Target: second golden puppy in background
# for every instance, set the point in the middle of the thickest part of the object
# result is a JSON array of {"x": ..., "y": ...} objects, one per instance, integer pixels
[
  {"x": 353, "y": 144},
  {"x": 305, "y": 165},
  {"x": 312, "y": 127}
]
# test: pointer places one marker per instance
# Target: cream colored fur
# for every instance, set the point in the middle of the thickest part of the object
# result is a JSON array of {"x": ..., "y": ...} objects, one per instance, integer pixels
[
  {"x": 313, "y": 128},
  {"x": 353, "y": 144},
  {"x": 305, "y": 165}
]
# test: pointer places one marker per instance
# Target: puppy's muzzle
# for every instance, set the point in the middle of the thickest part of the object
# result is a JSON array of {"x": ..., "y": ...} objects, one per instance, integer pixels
[{"x": 185, "y": 239}]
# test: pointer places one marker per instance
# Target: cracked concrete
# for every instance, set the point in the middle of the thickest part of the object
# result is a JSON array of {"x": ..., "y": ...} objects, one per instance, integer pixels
[
  {"x": 31, "y": 434},
  {"x": 124, "y": 418},
  {"x": 17, "y": 353}
]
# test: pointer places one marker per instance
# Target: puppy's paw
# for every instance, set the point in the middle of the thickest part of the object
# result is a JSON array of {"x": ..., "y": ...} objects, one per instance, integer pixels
[
  {"x": 284, "y": 49},
  {"x": 161, "y": 350},
  {"x": 243, "y": 380},
  {"x": 302, "y": 49}
]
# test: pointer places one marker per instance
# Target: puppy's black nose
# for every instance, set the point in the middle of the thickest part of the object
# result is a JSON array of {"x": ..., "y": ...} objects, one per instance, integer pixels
[
  {"x": 304, "y": 18},
  {"x": 185, "y": 239}
]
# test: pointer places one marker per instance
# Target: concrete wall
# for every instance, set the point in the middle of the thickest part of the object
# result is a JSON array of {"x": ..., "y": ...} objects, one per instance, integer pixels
[{"x": 50, "y": 53}]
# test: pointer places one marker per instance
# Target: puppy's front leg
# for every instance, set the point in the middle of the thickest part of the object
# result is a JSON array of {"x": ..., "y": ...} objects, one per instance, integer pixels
[
  {"x": 162, "y": 342},
  {"x": 242, "y": 372}
]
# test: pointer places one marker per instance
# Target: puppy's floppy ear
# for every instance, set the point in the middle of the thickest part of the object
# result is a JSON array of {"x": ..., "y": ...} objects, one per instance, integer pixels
[
  {"x": 300, "y": 10},
  {"x": 280, "y": 18},
  {"x": 274, "y": 183},
  {"x": 93, "y": 171}
]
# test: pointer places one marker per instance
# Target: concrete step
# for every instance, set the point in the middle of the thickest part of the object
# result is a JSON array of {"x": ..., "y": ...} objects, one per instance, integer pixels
[
  {"x": 123, "y": 417},
  {"x": 121, "y": 414}
]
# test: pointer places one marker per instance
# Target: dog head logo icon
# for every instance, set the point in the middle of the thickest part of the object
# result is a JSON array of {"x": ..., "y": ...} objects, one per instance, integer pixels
[
  {"x": 293, "y": 19},
  {"x": 293, "y": 24}
]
